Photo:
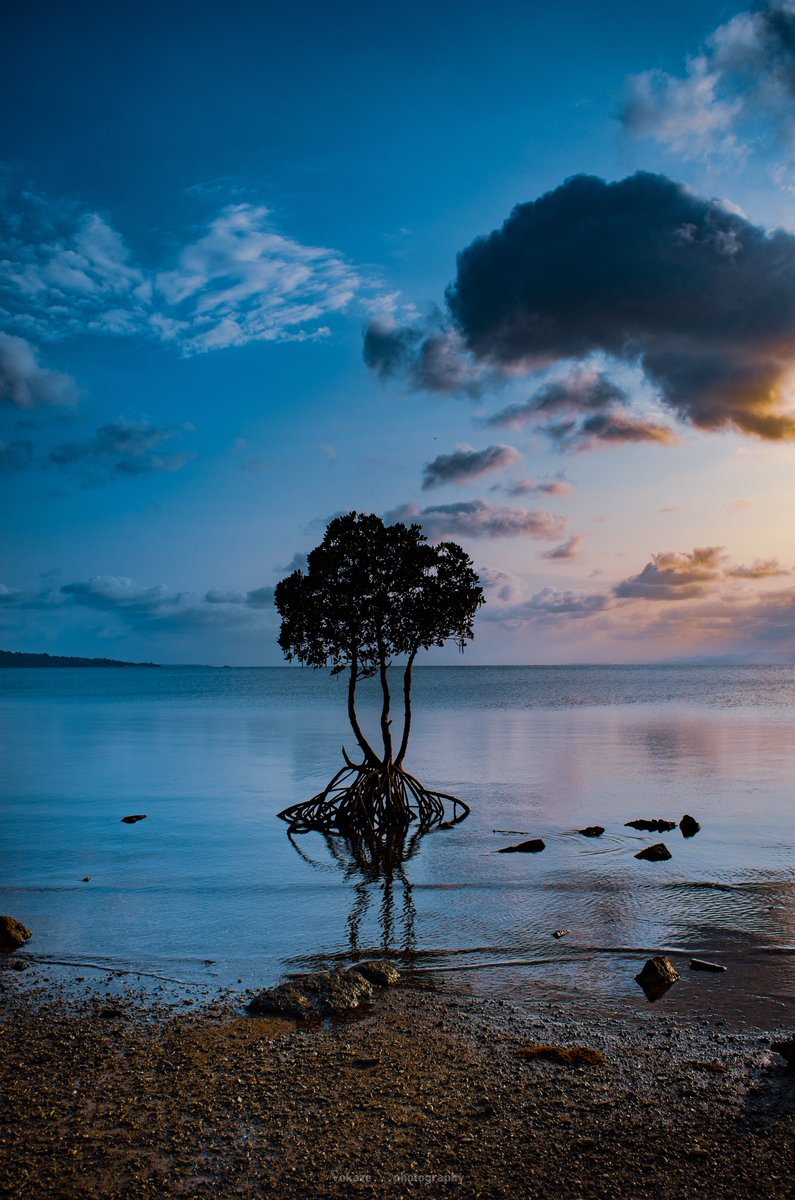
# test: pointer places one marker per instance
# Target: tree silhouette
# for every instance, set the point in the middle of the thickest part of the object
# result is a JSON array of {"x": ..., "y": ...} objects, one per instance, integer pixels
[{"x": 372, "y": 593}]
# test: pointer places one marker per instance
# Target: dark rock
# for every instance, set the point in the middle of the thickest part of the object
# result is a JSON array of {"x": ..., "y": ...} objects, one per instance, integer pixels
[
  {"x": 786, "y": 1050},
  {"x": 575, "y": 1056},
  {"x": 592, "y": 831},
  {"x": 559, "y": 933},
  {"x": 378, "y": 971},
  {"x": 133, "y": 819},
  {"x": 656, "y": 826},
  {"x": 534, "y": 846},
  {"x": 659, "y": 852},
  {"x": 657, "y": 976},
  {"x": 13, "y": 934},
  {"x": 111, "y": 1013},
  {"x": 18, "y": 964},
  {"x": 701, "y": 964},
  {"x": 86, "y": 879},
  {"x": 313, "y": 995},
  {"x": 689, "y": 826}
]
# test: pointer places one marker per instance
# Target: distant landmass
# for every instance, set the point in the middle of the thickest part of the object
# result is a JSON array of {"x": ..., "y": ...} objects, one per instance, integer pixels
[{"x": 10, "y": 658}]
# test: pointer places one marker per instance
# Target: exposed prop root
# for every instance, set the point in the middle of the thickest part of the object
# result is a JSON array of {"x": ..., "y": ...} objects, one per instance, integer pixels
[{"x": 364, "y": 801}]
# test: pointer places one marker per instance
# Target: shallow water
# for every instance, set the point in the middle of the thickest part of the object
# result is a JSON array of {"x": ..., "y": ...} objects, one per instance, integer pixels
[{"x": 211, "y": 756}]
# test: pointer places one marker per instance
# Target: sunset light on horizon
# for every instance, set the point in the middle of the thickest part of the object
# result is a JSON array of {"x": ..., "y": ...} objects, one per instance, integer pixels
[{"x": 526, "y": 278}]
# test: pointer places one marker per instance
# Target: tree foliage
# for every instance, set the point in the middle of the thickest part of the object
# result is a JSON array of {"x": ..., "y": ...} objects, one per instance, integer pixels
[{"x": 372, "y": 593}]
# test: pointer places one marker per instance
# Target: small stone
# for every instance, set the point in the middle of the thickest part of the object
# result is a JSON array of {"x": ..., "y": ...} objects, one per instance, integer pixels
[
  {"x": 655, "y": 826},
  {"x": 659, "y": 852},
  {"x": 13, "y": 934},
  {"x": 378, "y": 971},
  {"x": 136, "y": 817},
  {"x": 592, "y": 831},
  {"x": 86, "y": 879},
  {"x": 701, "y": 964},
  {"x": 559, "y": 933},
  {"x": 534, "y": 846},
  {"x": 689, "y": 826}
]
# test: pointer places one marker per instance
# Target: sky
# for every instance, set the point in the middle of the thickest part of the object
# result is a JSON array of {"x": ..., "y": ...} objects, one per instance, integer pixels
[{"x": 524, "y": 275}]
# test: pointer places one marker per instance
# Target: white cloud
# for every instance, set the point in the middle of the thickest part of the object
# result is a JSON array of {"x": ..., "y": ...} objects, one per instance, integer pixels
[
  {"x": 24, "y": 384},
  {"x": 735, "y": 96},
  {"x": 239, "y": 281}
]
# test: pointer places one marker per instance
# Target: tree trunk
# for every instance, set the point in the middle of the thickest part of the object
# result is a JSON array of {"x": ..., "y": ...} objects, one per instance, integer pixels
[
  {"x": 369, "y": 754},
  {"x": 386, "y": 732},
  {"x": 404, "y": 744}
]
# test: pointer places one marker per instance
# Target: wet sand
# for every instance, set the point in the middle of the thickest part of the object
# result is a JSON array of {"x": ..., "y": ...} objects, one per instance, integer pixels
[{"x": 423, "y": 1093}]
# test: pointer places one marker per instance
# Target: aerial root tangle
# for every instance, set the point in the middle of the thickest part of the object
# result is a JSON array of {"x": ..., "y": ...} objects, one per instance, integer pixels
[{"x": 365, "y": 799}]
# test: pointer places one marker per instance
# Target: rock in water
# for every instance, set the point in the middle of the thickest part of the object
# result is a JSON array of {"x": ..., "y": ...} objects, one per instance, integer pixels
[
  {"x": 659, "y": 852},
  {"x": 13, "y": 934},
  {"x": 689, "y": 826},
  {"x": 592, "y": 831},
  {"x": 534, "y": 846},
  {"x": 786, "y": 1050},
  {"x": 559, "y": 933},
  {"x": 701, "y": 964},
  {"x": 657, "y": 976},
  {"x": 656, "y": 826},
  {"x": 378, "y": 971},
  {"x": 136, "y": 817},
  {"x": 313, "y": 995}
]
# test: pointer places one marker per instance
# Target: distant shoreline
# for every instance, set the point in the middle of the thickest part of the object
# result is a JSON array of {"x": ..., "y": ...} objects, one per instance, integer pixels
[{"x": 11, "y": 658}]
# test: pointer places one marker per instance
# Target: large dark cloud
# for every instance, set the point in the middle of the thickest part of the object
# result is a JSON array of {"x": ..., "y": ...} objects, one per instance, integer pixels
[
  {"x": 646, "y": 272},
  {"x": 121, "y": 448},
  {"x": 481, "y": 519},
  {"x": 431, "y": 358},
  {"x": 465, "y": 464}
]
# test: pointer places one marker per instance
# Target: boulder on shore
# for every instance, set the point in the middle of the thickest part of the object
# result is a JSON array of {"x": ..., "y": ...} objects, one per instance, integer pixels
[
  {"x": 317, "y": 994},
  {"x": 592, "y": 831},
  {"x": 689, "y": 826},
  {"x": 377, "y": 971},
  {"x": 13, "y": 934},
  {"x": 534, "y": 846},
  {"x": 659, "y": 852}
]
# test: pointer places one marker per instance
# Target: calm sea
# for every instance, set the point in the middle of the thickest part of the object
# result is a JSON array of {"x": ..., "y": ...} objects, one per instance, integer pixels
[{"x": 210, "y": 890}]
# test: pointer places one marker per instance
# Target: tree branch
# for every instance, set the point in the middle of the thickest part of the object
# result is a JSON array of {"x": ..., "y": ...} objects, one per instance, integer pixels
[
  {"x": 404, "y": 743},
  {"x": 369, "y": 754}
]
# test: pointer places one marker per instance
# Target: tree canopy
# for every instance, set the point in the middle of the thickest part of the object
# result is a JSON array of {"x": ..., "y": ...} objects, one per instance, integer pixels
[{"x": 372, "y": 593}]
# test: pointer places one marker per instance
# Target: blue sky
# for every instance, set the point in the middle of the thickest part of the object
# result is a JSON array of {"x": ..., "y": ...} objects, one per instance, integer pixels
[{"x": 226, "y": 243}]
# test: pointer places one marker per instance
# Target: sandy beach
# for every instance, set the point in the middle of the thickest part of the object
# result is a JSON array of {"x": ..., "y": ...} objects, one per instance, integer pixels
[{"x": 420, "y": 1093}]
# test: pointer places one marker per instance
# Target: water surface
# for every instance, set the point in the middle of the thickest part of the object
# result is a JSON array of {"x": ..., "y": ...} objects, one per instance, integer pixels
[{"x": 211, "y": 756}]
